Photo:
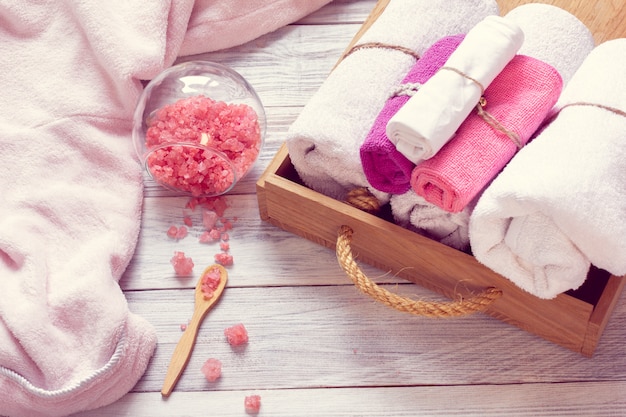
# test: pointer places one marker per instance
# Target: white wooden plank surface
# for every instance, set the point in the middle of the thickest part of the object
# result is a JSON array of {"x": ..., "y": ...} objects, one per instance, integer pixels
[{"x": 317, "y": 346}]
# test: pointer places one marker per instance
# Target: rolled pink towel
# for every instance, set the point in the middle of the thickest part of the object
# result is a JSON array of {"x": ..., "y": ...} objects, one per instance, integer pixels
[
  {"x": 519, "y": 99},
  {"x": 385, "y": 167}
]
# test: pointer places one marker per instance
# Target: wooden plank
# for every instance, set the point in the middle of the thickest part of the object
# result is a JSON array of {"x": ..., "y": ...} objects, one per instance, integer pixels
[
  {"x": 332, "y": 336},
  {"x": 537, "y": 400}
]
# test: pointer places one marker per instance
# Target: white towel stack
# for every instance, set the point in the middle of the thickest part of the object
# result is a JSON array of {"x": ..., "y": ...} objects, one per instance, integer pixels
[
  {"x": 560, "y": 204},
  {"x": 325, "y": 139}
]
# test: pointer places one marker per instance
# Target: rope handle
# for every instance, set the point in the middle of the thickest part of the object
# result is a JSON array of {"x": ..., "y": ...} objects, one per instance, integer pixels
[{"x": 462, "y": 307}]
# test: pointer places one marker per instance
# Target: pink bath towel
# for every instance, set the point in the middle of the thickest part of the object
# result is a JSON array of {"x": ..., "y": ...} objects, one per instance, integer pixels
[
  {"x": 219, "y": 24},
  {"x": 519, "y": 99},
  {"x": 385, "y": 167},
  {"x": 71, "y": 193}
]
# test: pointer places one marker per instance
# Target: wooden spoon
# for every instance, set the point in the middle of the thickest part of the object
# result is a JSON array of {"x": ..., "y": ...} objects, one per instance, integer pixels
[{"x": 183, "y": 349}]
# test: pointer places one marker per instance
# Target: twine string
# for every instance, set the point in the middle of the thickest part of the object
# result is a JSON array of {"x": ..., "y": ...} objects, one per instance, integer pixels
[
  {"x": 369, "y": 45},
  {"x": 433, "y": 309},
  {"x": 484, "y": 114},
  {"x": 613, "y": 110},
  {"x": 406, "y": 89}
]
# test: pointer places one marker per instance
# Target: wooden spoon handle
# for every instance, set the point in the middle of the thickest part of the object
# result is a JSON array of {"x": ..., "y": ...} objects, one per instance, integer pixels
[{"x": 180, "y": 358}]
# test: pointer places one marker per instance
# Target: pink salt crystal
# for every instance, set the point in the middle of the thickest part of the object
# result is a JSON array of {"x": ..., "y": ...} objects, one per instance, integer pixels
[
  {"x": 227, "y": 224},
  {"x": 209, "y": 219},
  {"x": 252, "y": 403},
  {"x": 181, "y": 233},
  {"x": 210, "y": 236},
  {"x": 183, "y": 327},
  {"x": 212, "y": 369},
  {"x": 192, "y": 203},
  {"x": 182, "y": 264},
  {"x": 210, "y": 281},
  {"x": 225, "y": 237},
  {"x": 224, "y": 246},
  {"x": 236, "y": 335},
  {"x": 217, "y": 204},
  {"x": 172, "y": 232},
  {"x": 187, "y": 220},
  {"x": 224, "y": 259}
]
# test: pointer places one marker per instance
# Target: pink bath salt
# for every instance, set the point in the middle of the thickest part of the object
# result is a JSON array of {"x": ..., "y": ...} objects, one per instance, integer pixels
[
  {"x": 209, "y": 219},
  {"x": 216, "y": 204},
  {"x": 224, "y": 259},
  {"x": 209, "y": 236},
  {"x": 181, "y": 233},
  {"x": 224, "y": 246},
  {"x": 231, "y": 129},
  {"x": 182, "y": 264},
  {"x": 183, "y": 327},
  {"x": 212, "y": 369},
  {"x": 172, "y": 232},
  {"x": 187, "y": 220},
  {"x": 210, "y": 281},
  {"x": 225, "y": 237},
  {"x": 227, "y": 225},
  {"x": 252, "y": 403},
  {"x": 190, "y": 169},
  {"x": 236, "y": 335}
]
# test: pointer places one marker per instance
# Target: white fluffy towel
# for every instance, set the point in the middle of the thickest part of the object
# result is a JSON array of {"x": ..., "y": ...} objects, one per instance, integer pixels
[
  {"x": 430, "y": 118},
  {"x": 413, "y": 212},
  {"x": 560, "y": 204},
  {"x": 325, "y": 139},
  {"x": 554, "y": 36}
]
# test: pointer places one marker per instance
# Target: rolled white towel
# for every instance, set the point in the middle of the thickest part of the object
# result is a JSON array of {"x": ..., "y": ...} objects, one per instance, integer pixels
[
  {"x": 413, "y": 212},
  {"x": 325, "y": 139},
  {"x": 554, "y": 36},
  {"x": 429, "y": 119},
  {"x": 560, "y": 204}
]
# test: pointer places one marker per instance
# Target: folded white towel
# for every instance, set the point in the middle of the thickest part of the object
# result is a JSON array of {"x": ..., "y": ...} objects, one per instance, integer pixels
[
  {"x": 559, "y": 205},
  {"x": 554, "y": 36},
  {"x": 428, "y": 120},
  {"x": 325, "y": 139},
  {"x": 411, "y": 211}
]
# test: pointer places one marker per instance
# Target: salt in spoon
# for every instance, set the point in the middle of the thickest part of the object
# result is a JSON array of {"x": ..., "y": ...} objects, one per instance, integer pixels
[{"x": 208, "y": 291}]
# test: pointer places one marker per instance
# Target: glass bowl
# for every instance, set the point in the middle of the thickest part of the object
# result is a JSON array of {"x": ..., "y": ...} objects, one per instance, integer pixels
[{"x": 198, "y": 128}]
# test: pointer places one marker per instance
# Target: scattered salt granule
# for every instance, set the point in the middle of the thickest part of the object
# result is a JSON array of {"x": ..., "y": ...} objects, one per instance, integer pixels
[
  {"x": 212, "y": 369},
  {"x": 182, "y": 232},
  {"x": 177, "y": 232},
  {"x": 182, "y": 264},
  {"x": 236, "y": 335},
  {"x": 209, "y": 219},
  {"x": 209, "y": 236},
  {"x": 252, "y": 403},
  {"x": 224, "y": 259},
  {"x": 231, "y": 129},
  {"x": 210, "y": 281},
  {"x": 172, "y": 231},
  {"x": 187, "y": 220},
  {"x": 224, "y": 246},
  {"x": 183, "y": 327}
]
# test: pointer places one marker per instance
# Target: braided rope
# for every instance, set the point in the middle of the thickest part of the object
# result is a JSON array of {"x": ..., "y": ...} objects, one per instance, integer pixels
[{"x": 462, "y": 307}]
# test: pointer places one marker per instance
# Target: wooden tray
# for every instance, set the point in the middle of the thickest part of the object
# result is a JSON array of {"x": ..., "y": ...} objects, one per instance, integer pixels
[{"x": 574, "y": 320}]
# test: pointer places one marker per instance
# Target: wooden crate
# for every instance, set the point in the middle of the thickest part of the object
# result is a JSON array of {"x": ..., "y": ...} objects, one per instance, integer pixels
[{"x": 574, "y": 320}]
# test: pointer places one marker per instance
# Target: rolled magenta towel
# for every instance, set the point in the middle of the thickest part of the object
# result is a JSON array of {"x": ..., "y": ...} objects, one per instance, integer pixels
[
  {"x": 385, "y": 167},
  {"x": 519, "y": 99}
]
